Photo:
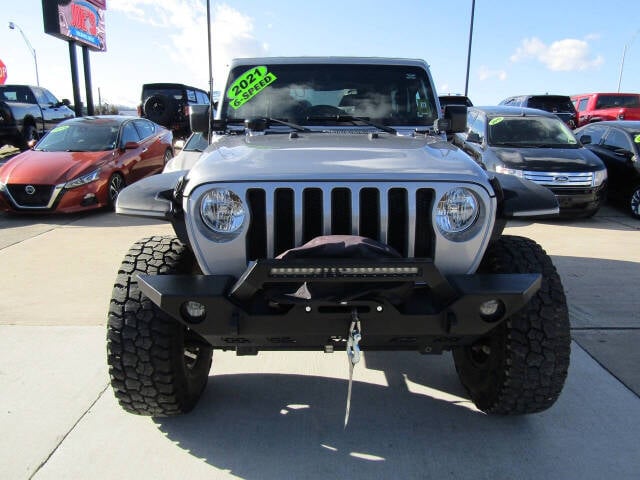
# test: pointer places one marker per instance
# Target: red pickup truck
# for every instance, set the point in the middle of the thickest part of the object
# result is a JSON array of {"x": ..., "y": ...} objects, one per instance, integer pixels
[{"x": 595, "y": 107}]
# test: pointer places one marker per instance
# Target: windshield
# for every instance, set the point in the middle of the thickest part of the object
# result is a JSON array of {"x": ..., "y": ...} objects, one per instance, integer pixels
[
  {"x": 196, "y": 143},
  {"x": 554, "y": 104},
  {"x": 80, "y": 137},
  {"x": 318, "y": 94},
  {"x": 530, "y": 132}
]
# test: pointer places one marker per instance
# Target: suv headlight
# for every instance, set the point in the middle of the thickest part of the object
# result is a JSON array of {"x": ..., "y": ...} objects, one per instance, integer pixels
[
  {"x": 84, "y": 179},
  {"x": 457, "y": 211},
  {"x": 509, "y": 171},
  {"x": 222, "y": 211},
  {"x": 599, "y": 176}
]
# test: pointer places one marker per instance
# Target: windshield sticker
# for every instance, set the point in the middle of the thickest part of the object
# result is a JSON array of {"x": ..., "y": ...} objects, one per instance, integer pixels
[
  {"x": 636, "y": 139},
  {"x": 495, "y": 121},
  {"x": 248, "y": 85},
  {"x": 61, "y": 128}
]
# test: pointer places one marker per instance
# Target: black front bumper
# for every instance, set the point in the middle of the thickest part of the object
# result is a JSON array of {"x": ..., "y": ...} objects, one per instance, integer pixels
[{"x": 437, "y": 312}]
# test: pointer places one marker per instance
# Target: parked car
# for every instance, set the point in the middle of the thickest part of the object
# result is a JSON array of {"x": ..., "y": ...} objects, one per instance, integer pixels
[
  {"x": 538, "y": 146},
  {"x": 83, "y": 164},
  {"x": 559, "y": 105},
  {"x": 167, "y": 104},
  {"x": 598, "y": 107},
  {"x": 617, "y": 143},
  {"x": 28, "y": 113},
  {"x": 189, "y": 154},
  {"x": 454, "y": 100}
]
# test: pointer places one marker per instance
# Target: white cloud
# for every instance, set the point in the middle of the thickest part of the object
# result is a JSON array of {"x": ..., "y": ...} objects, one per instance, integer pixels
[
  {"x": 567, "y": 55},
  {"x": 485, "y": 73},
  {"x": 186, "y": 25}
]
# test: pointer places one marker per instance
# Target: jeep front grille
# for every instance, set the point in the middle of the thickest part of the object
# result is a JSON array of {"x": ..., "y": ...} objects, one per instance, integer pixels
[{"x": 284, "y": 218}]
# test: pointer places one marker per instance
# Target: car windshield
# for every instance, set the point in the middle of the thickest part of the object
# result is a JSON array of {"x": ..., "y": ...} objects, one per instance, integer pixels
[
  {"x": 80, "y": 137},
  {"x": 196, "y": 143},
  {"x": 530, "y": 132},
  {"x": 554, "y": 104},
  {"x": 322, "y": 94}
]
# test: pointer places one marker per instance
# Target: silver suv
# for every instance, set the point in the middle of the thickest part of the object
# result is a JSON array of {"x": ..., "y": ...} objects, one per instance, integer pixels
[{"x": 330, "y": 213}]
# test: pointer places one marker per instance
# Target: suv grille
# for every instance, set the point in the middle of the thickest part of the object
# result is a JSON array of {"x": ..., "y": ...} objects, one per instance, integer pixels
[
  {"x": 284, "y": 218},
  {"x": 561, "y": 179},
  {"x": 39, "y": 198}
]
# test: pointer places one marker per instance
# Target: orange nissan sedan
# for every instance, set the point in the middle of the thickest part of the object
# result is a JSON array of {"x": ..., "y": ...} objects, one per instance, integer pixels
[{"x": 83, "y": 164}]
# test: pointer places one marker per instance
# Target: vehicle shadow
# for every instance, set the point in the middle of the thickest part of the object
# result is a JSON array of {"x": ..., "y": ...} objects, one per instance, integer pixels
[
  {"x": 277, "y": 426},
  {"x": 94, "y": 218},
  {"x": 419, "y": 426}
]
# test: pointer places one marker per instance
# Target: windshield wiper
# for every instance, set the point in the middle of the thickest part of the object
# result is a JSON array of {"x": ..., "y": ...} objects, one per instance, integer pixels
[
  {"x": 269, "y": 120},
  {"x": 351, "y": 118}
]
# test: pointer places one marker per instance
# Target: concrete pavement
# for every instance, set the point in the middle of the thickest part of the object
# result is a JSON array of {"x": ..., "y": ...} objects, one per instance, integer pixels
[{"x": 279, "y": 416}]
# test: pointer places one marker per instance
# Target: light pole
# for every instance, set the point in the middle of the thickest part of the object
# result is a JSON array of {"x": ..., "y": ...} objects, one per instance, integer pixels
[
  {"x": 624, "y": 51},
  {"x": 13, "y": 26},
  {"x": 466, "y": 83}
]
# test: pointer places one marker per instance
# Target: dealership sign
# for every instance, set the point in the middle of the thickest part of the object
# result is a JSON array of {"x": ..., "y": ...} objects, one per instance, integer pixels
[
  {"x": 3, "y": 73},
  {"x": 79, "y": 21}
]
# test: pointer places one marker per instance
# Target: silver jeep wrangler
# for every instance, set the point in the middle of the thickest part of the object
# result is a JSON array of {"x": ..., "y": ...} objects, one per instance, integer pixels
[{"x": 330, "y": 212}]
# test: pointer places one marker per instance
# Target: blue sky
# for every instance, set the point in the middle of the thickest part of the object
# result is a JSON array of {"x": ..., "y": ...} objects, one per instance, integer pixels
[{"x": 561, "y": 47}]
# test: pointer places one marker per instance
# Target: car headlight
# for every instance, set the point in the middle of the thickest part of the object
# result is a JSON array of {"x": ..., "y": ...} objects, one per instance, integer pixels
[
  {"x": 509, "y": 171},
  {"x": 83, "y": 180},
  {"x": 599, "y": 176},
  {"x": 222, "y": 211},
  {"x": 457, "y": 211}
]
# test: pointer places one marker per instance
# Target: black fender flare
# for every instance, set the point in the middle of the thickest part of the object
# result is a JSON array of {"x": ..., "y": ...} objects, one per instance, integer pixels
[{"x": 518, "y": 197}]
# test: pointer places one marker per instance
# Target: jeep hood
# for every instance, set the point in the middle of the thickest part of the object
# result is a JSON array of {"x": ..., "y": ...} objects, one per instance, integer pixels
[{"x": 331, "y": 157}]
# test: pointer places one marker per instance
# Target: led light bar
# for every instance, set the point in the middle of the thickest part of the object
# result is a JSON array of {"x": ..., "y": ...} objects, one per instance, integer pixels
[{"x": 343, "y": 271}]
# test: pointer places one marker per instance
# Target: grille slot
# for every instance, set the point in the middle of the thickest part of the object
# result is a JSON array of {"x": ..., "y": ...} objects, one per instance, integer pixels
[
  {"x": 560, "y": 179},
  {"x": 40, "y": 197},
  {"x": 284, "y": 218}
]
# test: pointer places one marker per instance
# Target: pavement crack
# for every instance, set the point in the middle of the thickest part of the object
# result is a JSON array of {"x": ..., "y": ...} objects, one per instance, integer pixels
[{"x": 73, "y": 427}]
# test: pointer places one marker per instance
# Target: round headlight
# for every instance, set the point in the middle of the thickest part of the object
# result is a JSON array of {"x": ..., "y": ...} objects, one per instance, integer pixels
[
  {"x": 222, "y": 211},
  {"x": 457, "y": 211}
]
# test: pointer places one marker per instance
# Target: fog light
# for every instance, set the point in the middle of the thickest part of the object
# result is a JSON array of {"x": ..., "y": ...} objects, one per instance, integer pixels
[
  {"x": 193, "y": 312},
  {"x": 492, "y": 310}
]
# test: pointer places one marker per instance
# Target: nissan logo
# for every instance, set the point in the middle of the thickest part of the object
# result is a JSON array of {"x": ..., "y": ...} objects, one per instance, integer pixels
[
  {"x": 562, "y": 179},
  {"x": 30, "y": 189}
]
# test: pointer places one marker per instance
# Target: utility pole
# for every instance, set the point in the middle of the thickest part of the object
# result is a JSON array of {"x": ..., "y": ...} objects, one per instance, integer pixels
[{"x": 466, "y": 83}]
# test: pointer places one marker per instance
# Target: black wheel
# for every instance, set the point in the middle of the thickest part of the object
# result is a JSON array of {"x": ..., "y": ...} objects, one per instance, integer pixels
[
  {"x": 160, "y": 109},
  {"x": 29, "y": 137},
  {"x": 116, "y": 184},
  {"x": 168, "y": 155},
  {"x": 521, "y": 366},
  {"x": 157, "y": 366},
  {"x": 634, "y": 201}
]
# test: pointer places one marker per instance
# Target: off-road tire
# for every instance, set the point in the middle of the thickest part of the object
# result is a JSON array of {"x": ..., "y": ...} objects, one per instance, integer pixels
[
  {"x": 521, "y": 366},
  {"x": 157, "y": 366}
]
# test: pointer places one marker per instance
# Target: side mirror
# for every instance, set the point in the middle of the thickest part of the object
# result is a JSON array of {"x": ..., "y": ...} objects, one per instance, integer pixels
[
  {"x": 65, "y": 102},
  {"x": 474, "y": 137},
  {"x": 199, "y": 118},
  {"x": 457, "y": 116},
  {"x": 585, "y": 139}
]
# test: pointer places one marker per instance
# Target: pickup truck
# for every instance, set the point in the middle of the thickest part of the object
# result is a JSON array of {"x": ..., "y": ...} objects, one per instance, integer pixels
[
  {"x": 27, "y": 113},
  {"x": 597, "y": 107}
]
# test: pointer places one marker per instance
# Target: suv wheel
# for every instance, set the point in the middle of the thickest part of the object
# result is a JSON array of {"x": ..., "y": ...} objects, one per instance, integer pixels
[
  {"x": 634, "y": 201},
  {"x": 157, "y": 366},
  {"x": 521, "y": 365}
]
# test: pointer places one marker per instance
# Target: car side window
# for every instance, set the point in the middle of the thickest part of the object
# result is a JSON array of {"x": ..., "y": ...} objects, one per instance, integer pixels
[
  {"x": 145, "y": 128},
  {"x": 478, "y": 126},
  {"x": 595, "y": 131},
  {"x": 582, "y": 104},
  {"x": 50, "y": 97},
  {"x": 202, "y": 98},
  {"x": 191, "y": 96},
  {"x": 617, "y": 141},
  {"x": 129, "y": 134},
  {"x": 41, "y": 98}
]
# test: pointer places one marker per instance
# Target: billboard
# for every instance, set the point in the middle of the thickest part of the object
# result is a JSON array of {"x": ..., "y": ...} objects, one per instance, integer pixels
[{"x": 79, "y": 21}]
